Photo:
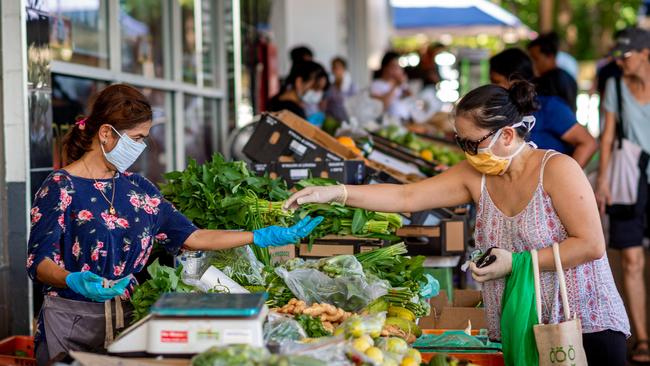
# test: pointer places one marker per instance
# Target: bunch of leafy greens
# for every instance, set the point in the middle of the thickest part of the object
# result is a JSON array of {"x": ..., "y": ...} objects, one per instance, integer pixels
[
  {"x": 403, "y": 273},
  {"x": 226, "y": 195},
  {"x": 163, "y": 279},
  {"x": 341, "y": 220}
]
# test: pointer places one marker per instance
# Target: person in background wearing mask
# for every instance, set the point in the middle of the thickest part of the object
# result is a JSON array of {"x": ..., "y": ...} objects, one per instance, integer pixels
[
  {"x": 341, "y": 88},
  {"x": 556, "y": 126},
  {"x": 632, "y": 54},
  {"x": 551, "y": 80},
  {"x": 94, "y": 222},
  {"x": 301, "y": 88},
  {"x": 316, "y": 104},
  {"x": 527, "y": 199},
  {"x": 390, "y": 87}
]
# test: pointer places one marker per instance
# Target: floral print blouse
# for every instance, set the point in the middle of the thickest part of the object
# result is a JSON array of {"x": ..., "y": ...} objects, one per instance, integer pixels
[{"x": 72, "y": 225}]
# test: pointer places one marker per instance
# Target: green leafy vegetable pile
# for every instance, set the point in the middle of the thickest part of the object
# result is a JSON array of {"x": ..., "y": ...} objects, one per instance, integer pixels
[
  {"x": 163, "y": 279},
  {"x": 226, "y": 195},
  {"x": 402, "y": 272}
]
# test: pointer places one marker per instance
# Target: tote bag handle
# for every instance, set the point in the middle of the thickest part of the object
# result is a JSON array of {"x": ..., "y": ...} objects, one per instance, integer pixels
[{"x": 560, "y": 278}]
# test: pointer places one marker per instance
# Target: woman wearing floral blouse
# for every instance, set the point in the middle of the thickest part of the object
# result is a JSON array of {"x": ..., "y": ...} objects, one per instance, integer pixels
[{"x": 93, "y": 221}]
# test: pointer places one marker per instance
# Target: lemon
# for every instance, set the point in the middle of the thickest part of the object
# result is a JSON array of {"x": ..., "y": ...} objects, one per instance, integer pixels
[
  {"x": 355, "y": 328},
  {"x": 339, "y": 331},
  {"x": 396, "y": 345},
  {"x": 375, "y": 354},
  {"x": 375, "y": 333},
  {"x": 408, "y": 361},
  {"x": 361, "y": 344},
  {"x": 414, "y": 354},
  {"x": 426, "y": 155}
]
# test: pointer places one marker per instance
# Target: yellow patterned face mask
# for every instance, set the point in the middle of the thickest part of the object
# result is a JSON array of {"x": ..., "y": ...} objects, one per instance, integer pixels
[{"x": 486, "y": 162}]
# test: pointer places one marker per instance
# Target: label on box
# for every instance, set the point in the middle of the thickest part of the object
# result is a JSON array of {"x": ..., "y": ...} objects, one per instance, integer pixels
[
  {"x": 298, "y": 174},
  {"x": 237, "y": 336},
  {"x": 301, "y": 139},
  {"x": 173, "y": 336},
  {"x": 297, "y": 147}
]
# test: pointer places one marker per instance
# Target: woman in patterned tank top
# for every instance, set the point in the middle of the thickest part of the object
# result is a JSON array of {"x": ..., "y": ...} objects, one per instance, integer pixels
[{"x": 527, "y": 199}]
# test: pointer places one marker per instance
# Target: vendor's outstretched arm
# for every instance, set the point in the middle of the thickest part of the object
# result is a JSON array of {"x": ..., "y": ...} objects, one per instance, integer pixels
[{"x": 217, "y": 239}]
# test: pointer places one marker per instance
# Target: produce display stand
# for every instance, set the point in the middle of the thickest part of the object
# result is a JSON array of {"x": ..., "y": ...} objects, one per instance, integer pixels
[
  {"x": 326, "y": 246},
  {"x": 17, "y": 350},
  {"x": 345, "y": 172},
  {"x": 482, "y": 359},
  {"x": 404, "y": 154},
  {"x": 332, "y": 245},
  {"x": 285, "y": 137}
]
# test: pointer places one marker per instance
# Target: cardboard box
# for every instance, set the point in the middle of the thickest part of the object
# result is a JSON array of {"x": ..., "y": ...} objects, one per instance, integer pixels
[
  {"x": 332, "y": 245},
  {"x": 282, "y": 254},
  {"x": 447, "y": 238},
  {"x": 285, "y": 137},
  {"x": 345, "y": 172},
  {"x": 446, "y": 315}
]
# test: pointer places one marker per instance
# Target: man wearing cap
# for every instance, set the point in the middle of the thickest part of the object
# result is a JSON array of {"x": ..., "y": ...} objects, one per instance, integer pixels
[{"x": 632, "y": 54}]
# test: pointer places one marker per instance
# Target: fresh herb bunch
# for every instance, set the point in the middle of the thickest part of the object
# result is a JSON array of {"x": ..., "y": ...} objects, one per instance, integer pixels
[
  {"x": 312, "y": 326},
  {"x": 226, "y": 195},
  {"x": 163, "y": 279},
  {"x": 403, "y": 273}
]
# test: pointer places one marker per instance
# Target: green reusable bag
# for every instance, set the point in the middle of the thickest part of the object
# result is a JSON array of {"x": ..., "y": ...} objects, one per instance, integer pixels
[{"x": 519, "y": 314}]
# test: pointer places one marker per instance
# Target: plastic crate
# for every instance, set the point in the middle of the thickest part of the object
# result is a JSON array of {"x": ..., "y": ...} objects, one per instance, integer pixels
[
  {"x": 482, "y": 359},
  {"x": 17, "y": 351},
  {"x": 474, "y": 332}
]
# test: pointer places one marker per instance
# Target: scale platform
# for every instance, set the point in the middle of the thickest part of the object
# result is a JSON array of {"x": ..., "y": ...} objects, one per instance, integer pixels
[{"x": 189, "y": 323}]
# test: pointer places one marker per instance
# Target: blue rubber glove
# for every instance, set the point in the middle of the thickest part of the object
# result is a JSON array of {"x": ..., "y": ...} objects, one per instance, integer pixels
[
  {"x": 273, "y": 236},
  {"x": 91, "y": 286},
  {"x": 431, "y": 288}
]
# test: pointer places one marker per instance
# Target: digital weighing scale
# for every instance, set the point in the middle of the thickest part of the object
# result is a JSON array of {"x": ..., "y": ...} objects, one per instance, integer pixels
[{"x": 189, "y": 323}]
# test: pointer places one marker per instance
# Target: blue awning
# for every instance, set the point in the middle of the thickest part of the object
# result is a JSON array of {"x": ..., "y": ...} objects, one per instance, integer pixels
[{"x": 418, "y": 14}]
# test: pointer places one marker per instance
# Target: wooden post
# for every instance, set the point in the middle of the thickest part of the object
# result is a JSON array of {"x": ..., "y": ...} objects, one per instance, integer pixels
[{"x": 545, "y": 16}]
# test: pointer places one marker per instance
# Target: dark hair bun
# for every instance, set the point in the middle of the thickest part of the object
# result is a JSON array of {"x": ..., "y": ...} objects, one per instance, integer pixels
[{"x": 523, "y": 96}]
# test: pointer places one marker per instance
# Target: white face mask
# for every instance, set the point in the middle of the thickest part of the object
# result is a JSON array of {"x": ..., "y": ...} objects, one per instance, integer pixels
[
  {"x": 125, "y": 152},
  {"x": 312, "y": 97}
]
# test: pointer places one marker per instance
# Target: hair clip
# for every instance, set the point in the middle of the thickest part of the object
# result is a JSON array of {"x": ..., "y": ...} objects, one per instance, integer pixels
[{"x": 81, "y": 123}]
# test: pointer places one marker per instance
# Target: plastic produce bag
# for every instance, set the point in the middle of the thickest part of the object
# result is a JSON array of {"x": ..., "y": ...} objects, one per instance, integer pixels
[
  {"x": 359, "y": 325},
  {"x": 240, "y": 264},
  {"x": 280, "y": 328},
  {"x": 332, "y": 351},
  {"x": 350, "y": 292}
]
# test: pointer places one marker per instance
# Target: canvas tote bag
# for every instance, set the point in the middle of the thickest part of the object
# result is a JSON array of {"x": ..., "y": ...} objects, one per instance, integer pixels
[
  {"x": 558, "y": 344},
  {"x": 626, "y": 169}
]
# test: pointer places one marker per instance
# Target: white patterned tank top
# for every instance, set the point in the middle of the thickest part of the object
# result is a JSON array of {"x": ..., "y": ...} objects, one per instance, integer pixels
[{"x": 592, "y": 292}]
